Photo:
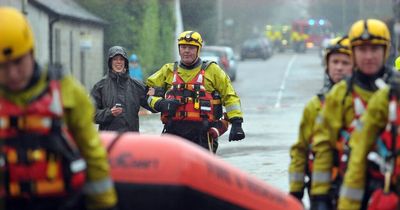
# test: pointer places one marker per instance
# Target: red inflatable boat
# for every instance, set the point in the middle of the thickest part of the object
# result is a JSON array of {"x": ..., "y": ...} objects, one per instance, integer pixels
[{"x": 170, "y": 173}]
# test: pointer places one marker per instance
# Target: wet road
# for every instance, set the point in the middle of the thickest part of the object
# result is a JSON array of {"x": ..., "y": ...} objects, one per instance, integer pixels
[{"x": 273, "y": 94}]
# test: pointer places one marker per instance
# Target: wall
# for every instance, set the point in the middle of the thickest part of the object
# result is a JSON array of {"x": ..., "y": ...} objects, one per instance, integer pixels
[{"x": 80, "y": 50}]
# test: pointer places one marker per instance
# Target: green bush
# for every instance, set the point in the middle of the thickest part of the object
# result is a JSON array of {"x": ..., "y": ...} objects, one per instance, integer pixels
[{"x": 144, "y": 27}]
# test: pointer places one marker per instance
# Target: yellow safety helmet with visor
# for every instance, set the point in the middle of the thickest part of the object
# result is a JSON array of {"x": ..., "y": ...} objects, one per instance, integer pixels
[
  {"x": 370, "y": 31},
  {"x": 16, "y": 36},
  {"x": 191, "y": 38},
  {"x": 337, "y": 45}
]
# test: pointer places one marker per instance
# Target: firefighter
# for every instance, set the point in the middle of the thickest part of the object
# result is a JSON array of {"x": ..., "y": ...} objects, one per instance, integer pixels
[
  {"x": 338, "y": 65},
  {"x": 344, "y": 104},
  {"x": 51, "y": 153},
  {"x": 196, "y": 90},
  {"x": 364, "y": 179}
]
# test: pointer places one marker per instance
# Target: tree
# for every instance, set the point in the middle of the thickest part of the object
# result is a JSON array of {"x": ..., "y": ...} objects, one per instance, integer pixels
[
  {"x": 200, "y": 16},
  {"x": 141, "y": 26}
]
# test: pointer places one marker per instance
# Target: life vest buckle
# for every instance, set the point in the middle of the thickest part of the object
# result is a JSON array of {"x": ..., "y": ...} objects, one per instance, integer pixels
[{"x": 196, "y": 103}]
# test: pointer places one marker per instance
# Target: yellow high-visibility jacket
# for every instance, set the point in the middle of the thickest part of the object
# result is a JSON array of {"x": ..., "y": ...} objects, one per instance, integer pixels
[
  {"x": 300, "y": 150},
  {"x": 214, "y": 79},
  {"x": 78, "y": 116},
  {"x": 337, "y": 113},
  {"x": 372, "y": 123}
]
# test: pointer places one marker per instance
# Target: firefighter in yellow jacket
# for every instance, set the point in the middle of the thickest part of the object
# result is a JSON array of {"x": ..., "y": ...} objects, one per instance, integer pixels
[
  {"x": 357, "y": 188},
  {"x": 344, "y": 104},
  {"x": 338, "y": 65},
  {"x": 196, "y": 90},
  {"x": 51, "y": 152}
]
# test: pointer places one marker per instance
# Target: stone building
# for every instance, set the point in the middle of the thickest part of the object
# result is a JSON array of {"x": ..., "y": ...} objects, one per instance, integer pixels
[{"x": 68, "y": 34}]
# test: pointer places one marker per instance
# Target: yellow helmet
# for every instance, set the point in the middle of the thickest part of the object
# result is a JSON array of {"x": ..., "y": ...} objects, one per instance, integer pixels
[
  {"x": 337, "y": 45},
  {"x": 16, "y": 36},
  {"x": 370, "y": 31},
  {"x": 191, "y": 38}
]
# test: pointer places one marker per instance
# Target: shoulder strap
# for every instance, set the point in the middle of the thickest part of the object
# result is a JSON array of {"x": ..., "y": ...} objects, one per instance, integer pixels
[
  {"x": 55, "y": 72},
  {"x": 321, "y": 97},
  {"x": 174, "y": 71},
  {"x": 175, "y": 66},
  {"x": 349, "y": 88},
  {"x": 389, "y": 73},
  {"x": 206, "y": 63}
]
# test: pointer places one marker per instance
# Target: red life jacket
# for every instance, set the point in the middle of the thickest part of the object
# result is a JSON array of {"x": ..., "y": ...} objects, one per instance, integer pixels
[
  {"x": 197, "y": 104},
  {"x": 342, "y": 148},
  {"x": 39, "y": 156},
  {"x": 388, "y": 144},
  {"x": 386, "y": 160},
  {"x": 342, "y": 145}
]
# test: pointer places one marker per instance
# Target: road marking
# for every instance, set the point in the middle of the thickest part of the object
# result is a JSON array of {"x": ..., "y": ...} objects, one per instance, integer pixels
[{"x": 282, "y": 88}]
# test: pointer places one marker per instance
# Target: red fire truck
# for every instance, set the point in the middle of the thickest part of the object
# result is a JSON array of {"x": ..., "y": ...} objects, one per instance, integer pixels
[{"x": 309, "y": 33}]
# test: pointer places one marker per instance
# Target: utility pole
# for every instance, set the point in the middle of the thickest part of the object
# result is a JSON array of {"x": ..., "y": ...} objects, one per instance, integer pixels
[
  {"x": 178, "y": 28},
  {"x": 219, "y": 21},
  {"x": 24, "y": 5},
  {"x": 396, "y": 27},
  {"x": 344, "y": 16}
]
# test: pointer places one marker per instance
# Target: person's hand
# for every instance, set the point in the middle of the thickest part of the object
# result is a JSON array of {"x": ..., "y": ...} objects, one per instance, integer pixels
[
  {"x": 237, "y": 132},
  {"x": 151, "y": 91},
  {"x": 115, "y": 111},
  {"x": 167, "y": 105}
]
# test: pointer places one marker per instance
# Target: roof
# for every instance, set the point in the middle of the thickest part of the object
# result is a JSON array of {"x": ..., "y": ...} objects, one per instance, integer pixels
[{"x": 67, "y": 9}]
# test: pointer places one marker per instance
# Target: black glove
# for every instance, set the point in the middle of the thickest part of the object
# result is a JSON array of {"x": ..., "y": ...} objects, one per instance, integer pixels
[
  {"x": 321, "y": 202},
  {"x": 237, "y": 132},
  {"x": 167, "y": 105},
  {"x": 298, "y": 195}
]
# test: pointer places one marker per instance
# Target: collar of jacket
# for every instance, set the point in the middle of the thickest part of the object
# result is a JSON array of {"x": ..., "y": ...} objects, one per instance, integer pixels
[
  {"x": 327, "y": 85},
  {"x": 193, "y": 66},
  {"x": 118, "y": 75},
  {"x": 368, "y": 81}
]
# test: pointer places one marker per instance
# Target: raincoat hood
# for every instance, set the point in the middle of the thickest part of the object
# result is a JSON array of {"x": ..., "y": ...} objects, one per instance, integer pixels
[{"x": 117, "y": 50}]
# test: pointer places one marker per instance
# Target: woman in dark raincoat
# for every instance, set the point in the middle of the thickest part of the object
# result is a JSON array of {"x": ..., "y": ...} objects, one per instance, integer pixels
[{"x": 117, "y": 96}]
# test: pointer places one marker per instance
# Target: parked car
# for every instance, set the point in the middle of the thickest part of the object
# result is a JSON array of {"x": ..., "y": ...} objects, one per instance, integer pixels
[
  {"x": 256, "y": 48},
  {"x": 226, "y": 58}
]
